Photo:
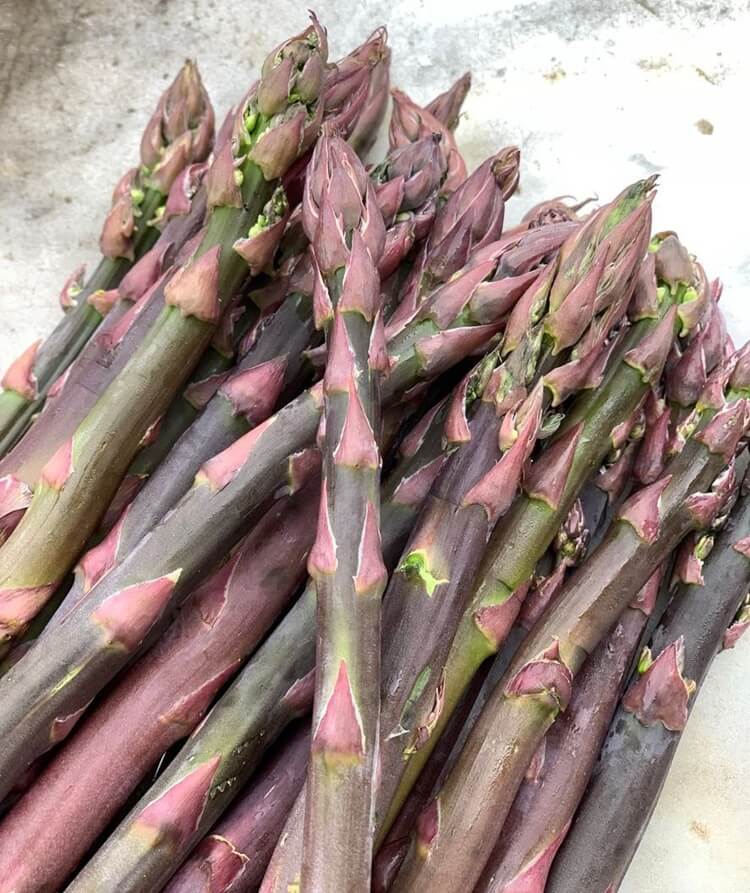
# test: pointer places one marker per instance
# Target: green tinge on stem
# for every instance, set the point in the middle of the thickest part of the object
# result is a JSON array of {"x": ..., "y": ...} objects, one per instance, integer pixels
[
  {"x": 346, "y": 561},
  {"x": 179, "y": 132}
]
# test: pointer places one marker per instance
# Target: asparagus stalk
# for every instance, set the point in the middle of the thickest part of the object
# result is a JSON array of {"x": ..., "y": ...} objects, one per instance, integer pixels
[
  {"x": 537, "y": 686},
  {"x": 153, "y": 840},
  {"x": 108, "y": 351},
  {"x": 347, "y": 232},
  {"x": 620, "y": 231},
  {"x": 159, "y": 701},
  {"x": 100, "y": 361},
  {"x": 287, "y": 856},
  {"x": 77, "y": 483},
  {"x": 239, "y": 735},
  {"x": 533, "y": 521},
  {"x": 179, "y": 132},
  {"x": 229, "y": 490},
  {"x": 422, "y": 457},
  {"x": 233, "y": 858},
  {"x": 548, "y": 797},
  {"x": 647, "y": 727}
]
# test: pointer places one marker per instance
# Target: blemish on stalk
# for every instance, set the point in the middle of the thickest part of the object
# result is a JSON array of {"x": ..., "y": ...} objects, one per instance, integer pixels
[
  {"x": 407, "y": 714},
  {"x": 423, "y": 732},
  {"x": 66, "y": 680},
  {"x": 416, "y": 566}
]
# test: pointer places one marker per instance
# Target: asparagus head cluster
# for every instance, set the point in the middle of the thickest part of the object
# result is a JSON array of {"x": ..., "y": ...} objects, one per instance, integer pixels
[{"x": 356, "y": 529}]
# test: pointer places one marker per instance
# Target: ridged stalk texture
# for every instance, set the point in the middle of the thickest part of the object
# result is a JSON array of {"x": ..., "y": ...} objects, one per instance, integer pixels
[
  {"x": 480, "y": 790},
  {"x": 648, "y": 725},
  {"x": 179, "y": 132},
  {"x": 275, "y": 687},
  {"x": 82, "y": 476}
]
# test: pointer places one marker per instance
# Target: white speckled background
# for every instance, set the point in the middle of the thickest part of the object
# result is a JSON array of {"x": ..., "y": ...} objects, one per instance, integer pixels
[{"x": 596, "y": 94}]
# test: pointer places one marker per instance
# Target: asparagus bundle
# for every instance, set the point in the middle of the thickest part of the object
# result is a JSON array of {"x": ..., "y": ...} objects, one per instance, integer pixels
[
  {"x": 179, "y": 132},
  {"x": 273, "y": 365},
  {"x": 272, "y": 361},
  {"x": 476, "y": 487},
  {"x": 646, "y": 729},
  {"x": 228, "y": 492},
  {"x": 274, "y": 123},
  {"x": 231, "y": 740},
  {"x": 427, "y": 594},
  {"x": 158, "y": 702},
  {"x": 555, "y": 481},
  {"x": 537, "y": 686},
  {"x": 565, "y": 361}
]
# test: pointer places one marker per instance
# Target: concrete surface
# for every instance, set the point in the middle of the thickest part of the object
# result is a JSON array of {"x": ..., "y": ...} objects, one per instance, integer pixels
[{"x": 596, "y": 94}]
